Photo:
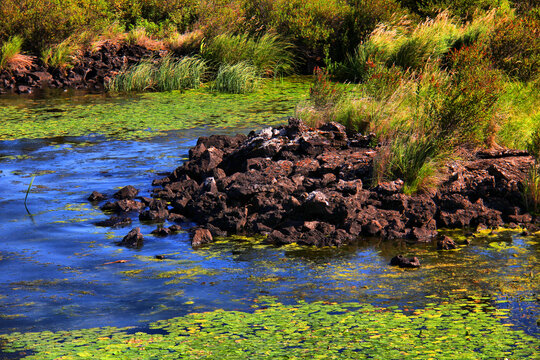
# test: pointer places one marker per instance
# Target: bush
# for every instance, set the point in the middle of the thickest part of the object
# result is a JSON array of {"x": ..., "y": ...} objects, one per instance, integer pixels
[
  {"x": 468, "y": 99},
  {"x": 514, "y": 47},
  {"x": 356, "y": 67},
  {"x": 269, "y": 54},
  {"x": 238, "y": 78}
]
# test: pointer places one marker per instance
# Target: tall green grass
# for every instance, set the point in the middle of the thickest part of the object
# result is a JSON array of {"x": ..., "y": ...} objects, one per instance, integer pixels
[
  {"x": 238, "y": 78},
  {"x": 165, "y": 74},
  {"x": 61, "y": 55},
  {"x": 269, "y": 54},
  {"x": 10, "y": 49}
]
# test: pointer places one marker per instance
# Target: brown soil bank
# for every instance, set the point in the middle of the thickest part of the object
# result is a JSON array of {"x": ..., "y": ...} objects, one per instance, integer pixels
[
  {"x": 312, "y": 187},
  {"x": 92, "y": 70}
]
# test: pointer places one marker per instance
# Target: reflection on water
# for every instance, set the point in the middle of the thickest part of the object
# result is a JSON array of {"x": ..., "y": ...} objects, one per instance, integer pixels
[{"x": 60, "y": 271}]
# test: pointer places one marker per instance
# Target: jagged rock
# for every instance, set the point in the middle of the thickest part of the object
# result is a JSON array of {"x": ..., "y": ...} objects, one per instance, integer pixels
[
  {"x": 114, "y": 221},
  {"x": 127, "y": 192},
  {"x": 298, "y": 184},
  {"x": 201, "y": 237},
  {"x": 134, "y": 239},
  {"x": 96, "y": 197}
]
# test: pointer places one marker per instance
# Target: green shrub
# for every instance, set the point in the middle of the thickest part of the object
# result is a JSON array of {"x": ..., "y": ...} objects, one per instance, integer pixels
[
  {"x": 466, "y": 112},
  {"x": 514, "y": 47},
  {"x": 356, "y": 67},
  {"x": 269, "y": 54},
  {"x": 237, "y": 78}
]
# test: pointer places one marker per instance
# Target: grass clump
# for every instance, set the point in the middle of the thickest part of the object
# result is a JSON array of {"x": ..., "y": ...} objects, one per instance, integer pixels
[
  {"x": 268, "y": 54},
  {"x": 11, "y": 57},
  {"x": 531, "y": 185},
  {"x": 239, "y": 78},
  {"x": 62, "y": 55},
  {"x": 166, "y": 74}
]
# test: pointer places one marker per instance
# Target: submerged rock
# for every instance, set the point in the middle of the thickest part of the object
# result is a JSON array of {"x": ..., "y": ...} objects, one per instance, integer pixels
[
  {"x": 446, "y": 243},
  {"x": 403, "y": 262}
]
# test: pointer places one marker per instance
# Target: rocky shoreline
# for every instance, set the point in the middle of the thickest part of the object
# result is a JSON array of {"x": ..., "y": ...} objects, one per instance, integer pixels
[
  {"x": 92, "y": 71},
  {"x": 312, "y": 186}
]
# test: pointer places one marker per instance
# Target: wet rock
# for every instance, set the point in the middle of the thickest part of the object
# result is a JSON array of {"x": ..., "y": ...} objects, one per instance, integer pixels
[
  {"x": 403, "y": 262},
  {"x": 96, "y": 197},
  {"x": 134, "y": 239},
  {"x": 114, "y": 222},
  {"x": 127, "y": 192},
  {"x": 154, "y": 215},
  {"x": 446, "y": 243},
  {"x": 123, "y": 206},
  {"x": 201, "y": 237},
  {"x": 161, "y": 231},
  {"x": 298, "y": 184}
]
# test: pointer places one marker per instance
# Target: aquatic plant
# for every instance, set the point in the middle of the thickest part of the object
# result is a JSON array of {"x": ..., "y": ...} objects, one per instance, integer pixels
[
  {"x": 165, "y": 74},
  {"x": 269, "y": 54},
  {"x": 239, "y": 78},
  {"x": 306, "y": 330}
]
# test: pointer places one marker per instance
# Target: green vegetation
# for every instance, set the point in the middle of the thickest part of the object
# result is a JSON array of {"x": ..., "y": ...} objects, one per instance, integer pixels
[
  {"x": 165, "y": 74},
  {"x": 268, "y": 54},
  {"x": 430, "y": 76},
  {"x": 238, "y": 78},
  {"x": 138, "y": 116},
  {"x": 473, "y": 328},
  {"x": 428, "y": 88},
  {"x": 10, "y": 54}
]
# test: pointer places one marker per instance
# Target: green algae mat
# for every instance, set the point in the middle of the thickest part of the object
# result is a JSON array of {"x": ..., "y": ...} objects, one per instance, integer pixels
[
  {"x": 139, "y": 116},
  {"x": 464, "y": 329}
]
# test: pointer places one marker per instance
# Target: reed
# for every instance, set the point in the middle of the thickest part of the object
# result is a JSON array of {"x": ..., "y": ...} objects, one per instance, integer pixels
[{"x": 239, "y": 78}]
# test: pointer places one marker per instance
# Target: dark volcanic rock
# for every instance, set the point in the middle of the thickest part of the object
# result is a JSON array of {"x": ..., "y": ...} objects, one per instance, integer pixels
[
  {"x": 92, "y": 71},
  {"x": 297, "y": 184},
  {"x": 96, "y": 196},
  {"x": 127, "y": 192},
  {"x": 114, "y": 221},
  {"x": 201, "y": 237},
  {"x": 403, "y": 262},
  {"x": 134, "y": 239}
]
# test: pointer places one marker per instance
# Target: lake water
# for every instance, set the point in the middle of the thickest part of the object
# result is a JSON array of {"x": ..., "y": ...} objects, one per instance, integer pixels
[{"x": 59, "y": 271}]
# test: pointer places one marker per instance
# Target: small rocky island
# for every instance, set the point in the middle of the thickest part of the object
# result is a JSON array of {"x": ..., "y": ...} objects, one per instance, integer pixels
[{"x": 314, "y": 186}]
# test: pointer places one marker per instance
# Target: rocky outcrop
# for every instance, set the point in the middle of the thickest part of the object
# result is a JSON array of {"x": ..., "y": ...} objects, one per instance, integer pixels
[
  {"x": 93, "y": 70},
  {"x": 313, "y": 186}
]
